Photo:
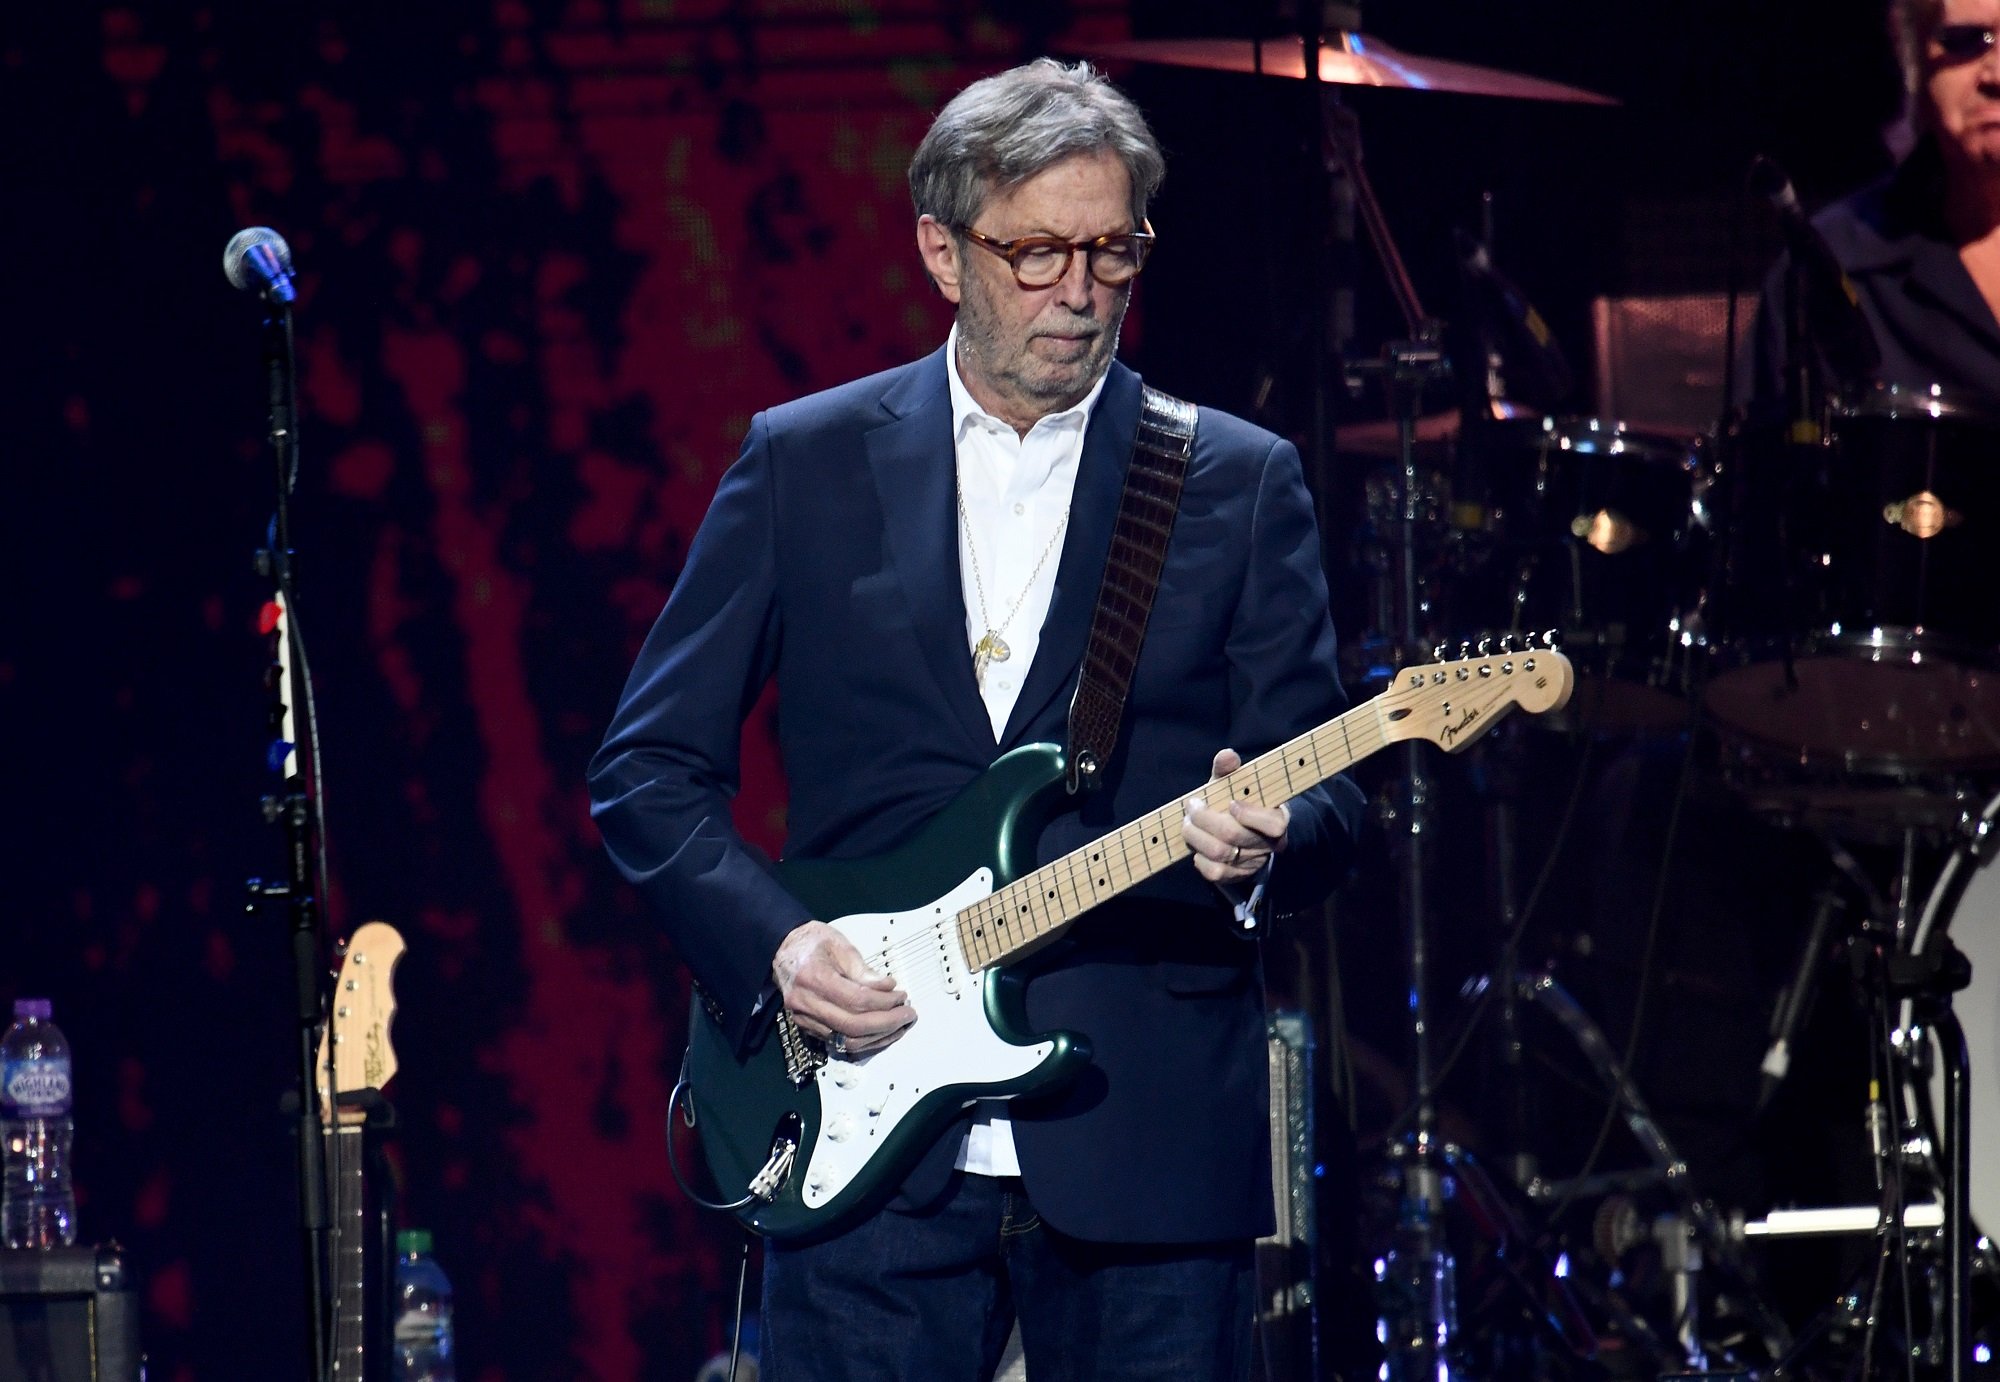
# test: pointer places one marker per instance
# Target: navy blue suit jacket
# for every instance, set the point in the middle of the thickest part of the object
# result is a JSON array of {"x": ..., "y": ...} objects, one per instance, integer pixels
[{"x": 829, "y": 560}]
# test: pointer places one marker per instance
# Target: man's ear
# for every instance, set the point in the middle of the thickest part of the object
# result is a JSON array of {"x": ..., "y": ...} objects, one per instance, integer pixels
[{"x": 938, "y": 248}]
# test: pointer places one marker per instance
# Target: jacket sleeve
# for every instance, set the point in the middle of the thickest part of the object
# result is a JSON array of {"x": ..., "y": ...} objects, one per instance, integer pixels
[
  {"x": 661, "y": 784},
  {"x": 1285, "y": 676}
]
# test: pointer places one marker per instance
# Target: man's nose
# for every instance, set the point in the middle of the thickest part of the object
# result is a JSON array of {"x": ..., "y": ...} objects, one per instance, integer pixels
[{"x": 1073, "y": 288}]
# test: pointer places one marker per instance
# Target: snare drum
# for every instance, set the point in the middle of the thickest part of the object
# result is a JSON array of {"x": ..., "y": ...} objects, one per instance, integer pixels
[{"x": 1866, "y": 632}]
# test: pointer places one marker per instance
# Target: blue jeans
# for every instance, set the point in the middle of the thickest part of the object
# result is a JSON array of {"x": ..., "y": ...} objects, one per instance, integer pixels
[{"x": 931, "y": 1296}]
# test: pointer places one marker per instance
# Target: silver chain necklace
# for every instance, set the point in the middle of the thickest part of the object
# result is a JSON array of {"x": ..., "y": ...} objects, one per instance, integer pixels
[{"x": 991, "y": 647}]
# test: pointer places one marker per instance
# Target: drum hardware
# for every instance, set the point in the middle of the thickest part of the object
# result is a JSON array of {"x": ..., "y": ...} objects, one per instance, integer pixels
[
  {"x": 1823, "y": 1223},
  {"x": 1933, "y": 969},
  {"x": 1708, "y": 1243},
  {"x": 1619, "y": 1228},
  {"x": 1919, "y": 1121},
  {"x": 1510, "y": 1280}
]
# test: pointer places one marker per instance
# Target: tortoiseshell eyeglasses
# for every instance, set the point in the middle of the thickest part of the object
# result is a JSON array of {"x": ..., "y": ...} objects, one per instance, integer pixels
[{"x": 1040, "y": 261}]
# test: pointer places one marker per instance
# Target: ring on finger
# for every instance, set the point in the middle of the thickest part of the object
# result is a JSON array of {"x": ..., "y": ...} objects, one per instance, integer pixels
[
  {"x": 836, "y": 1043},
  {"x": 1235, "y": 856}
]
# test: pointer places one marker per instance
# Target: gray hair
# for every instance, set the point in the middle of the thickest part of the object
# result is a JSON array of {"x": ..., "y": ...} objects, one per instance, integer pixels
[
  {"x": 1910, "y": 24},
  {"x": 1002, "y": 130}
]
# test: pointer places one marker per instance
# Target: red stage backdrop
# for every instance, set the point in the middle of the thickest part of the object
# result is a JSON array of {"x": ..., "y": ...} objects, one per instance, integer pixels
[{"x": 551, "y": 258}]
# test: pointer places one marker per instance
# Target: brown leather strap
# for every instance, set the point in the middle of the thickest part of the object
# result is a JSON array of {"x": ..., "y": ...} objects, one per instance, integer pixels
[{"x": 1160, "y": 452}]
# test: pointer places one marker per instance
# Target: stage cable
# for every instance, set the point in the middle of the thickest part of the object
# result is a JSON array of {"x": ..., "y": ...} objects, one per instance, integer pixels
[
  {"x": 742, "y": 1284},
  {"x": 1639, "y": 999}
]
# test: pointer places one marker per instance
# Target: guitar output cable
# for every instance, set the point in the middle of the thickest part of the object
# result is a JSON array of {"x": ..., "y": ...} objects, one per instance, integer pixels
[{"x": 674, "y": 1161}]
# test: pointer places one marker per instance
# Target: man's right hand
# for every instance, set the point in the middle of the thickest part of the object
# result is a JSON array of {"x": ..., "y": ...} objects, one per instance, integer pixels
[{"x": 829, "y": 988}]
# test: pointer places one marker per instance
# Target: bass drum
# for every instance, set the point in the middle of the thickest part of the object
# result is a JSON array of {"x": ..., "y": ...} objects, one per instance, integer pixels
[{"x": 1973, "y": 925}]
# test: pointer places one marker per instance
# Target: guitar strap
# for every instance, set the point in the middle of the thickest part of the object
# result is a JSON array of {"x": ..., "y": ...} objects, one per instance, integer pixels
[{"x": 1160, "y": 451}]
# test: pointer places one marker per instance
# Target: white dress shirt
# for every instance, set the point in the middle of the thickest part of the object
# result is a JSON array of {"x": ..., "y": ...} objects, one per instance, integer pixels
[{"x": 1016, "y": 492}]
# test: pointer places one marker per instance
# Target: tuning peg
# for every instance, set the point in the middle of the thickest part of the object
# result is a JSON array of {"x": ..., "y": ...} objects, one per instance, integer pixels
[
  {"x": 1507, "y": 641},
  {"x": 1437, "y": 653},
  {"x": 1465, "y": 649},
  {"x": 1550, "y": 639},
  {"x": 1485, "y": 644}
]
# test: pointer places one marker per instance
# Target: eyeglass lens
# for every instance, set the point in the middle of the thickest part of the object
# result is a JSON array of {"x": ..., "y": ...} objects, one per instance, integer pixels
[
  {"x": 1961, "y": 42},
  {"x": 1112, "y": 261}
]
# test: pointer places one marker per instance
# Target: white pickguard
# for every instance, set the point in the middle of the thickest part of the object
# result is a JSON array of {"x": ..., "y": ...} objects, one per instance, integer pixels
[{"x": 951, "y": 1044}]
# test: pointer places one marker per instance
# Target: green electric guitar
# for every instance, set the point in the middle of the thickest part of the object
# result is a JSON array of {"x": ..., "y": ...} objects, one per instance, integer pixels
[{"x": 809, "y": 1140}]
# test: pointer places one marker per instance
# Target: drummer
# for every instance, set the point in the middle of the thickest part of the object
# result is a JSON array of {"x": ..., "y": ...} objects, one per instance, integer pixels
[{"x": 1922, "y": 246}]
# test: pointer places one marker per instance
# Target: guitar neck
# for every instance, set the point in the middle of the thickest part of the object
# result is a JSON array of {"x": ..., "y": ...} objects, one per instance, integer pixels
[
  {"x": 1030, "y": 911},
  {"x": 349, "y": 1259}
]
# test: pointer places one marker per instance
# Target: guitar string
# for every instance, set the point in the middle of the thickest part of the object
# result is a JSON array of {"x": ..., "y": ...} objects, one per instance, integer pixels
[{"x": 1268, "y": 773}]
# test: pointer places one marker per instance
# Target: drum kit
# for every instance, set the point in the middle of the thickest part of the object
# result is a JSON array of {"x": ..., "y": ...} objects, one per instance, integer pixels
[{"x": 1812, "y": 611}]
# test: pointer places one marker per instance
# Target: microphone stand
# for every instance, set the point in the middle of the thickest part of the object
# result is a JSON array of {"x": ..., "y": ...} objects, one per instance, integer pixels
[{"x": 296, "y": 809}]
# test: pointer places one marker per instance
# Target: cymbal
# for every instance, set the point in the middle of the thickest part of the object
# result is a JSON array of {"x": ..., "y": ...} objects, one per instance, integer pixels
[
  {"x": 1345, "y": 59},
  {"x": 1381, "y": 437}
]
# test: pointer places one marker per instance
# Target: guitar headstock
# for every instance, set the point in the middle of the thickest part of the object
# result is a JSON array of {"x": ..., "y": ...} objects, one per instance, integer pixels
[
  {"x": 1452, "y": 702},
  {"x": 364, "y": 1004}
]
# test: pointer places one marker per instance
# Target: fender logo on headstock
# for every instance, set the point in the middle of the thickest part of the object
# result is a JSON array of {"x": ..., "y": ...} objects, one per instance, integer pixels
[{"x": 1465, "y": 722}]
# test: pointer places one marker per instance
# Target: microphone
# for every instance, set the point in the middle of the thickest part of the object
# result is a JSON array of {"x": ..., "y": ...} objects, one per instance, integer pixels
[
  {"x": 258, "y": 260},
  {"x": 1831, "y": 306},
  {"x": 1793, "y": 1002},
  {"x": 1547, "y": 372}
]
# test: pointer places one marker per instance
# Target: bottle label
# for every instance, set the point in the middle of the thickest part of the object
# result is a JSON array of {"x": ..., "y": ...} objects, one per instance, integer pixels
[{"x": 36, "y": 1088}]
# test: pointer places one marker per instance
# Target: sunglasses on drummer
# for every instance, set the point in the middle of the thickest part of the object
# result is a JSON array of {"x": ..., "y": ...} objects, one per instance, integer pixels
[
  {"x": 1040, "y": 261},
  {"x": 1963, "y": 42}
]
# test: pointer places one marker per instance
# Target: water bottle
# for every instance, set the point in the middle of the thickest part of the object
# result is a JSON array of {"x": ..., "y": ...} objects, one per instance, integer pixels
[
  {"x": 1417, "y": 1294},
  {"x": 38, "y": 1205},
  {"x": 423, "y": 1311}
]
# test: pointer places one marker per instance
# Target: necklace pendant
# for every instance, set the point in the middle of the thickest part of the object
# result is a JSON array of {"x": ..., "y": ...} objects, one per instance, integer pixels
[{"x": 990, "y": 648}]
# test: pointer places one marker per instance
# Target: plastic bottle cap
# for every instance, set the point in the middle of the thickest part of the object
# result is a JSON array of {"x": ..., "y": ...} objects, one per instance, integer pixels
[
  {"x": 38, "y": 1008},
  {"x": 412, "y": 1242}
]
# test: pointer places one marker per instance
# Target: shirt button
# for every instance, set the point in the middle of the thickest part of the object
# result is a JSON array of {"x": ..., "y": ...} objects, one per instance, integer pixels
[
  {"x": 1004, "y": 684},
  {"x": 1020, "y": 509}
]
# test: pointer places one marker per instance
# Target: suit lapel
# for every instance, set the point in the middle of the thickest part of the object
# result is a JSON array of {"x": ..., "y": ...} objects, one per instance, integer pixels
[
  {"x": 1093, "y": 511},
  {"x": 911, "y": 458}
]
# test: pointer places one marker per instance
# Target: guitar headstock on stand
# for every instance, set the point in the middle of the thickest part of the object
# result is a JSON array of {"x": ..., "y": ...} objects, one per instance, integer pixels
[
  {"x": 354, "y": 1047},
  {"x": 357, "y": 1060}
]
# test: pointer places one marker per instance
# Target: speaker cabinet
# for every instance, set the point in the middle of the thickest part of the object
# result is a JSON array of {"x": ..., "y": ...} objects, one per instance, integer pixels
[{"x": 68, "y": 1315}]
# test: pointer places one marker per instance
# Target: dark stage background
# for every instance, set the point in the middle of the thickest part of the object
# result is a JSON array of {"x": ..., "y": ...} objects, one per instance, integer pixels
[{"x": 552, "y": 257}]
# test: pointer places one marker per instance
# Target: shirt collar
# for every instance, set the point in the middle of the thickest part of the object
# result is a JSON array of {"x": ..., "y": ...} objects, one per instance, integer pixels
[{"x": 965, "y": 411}]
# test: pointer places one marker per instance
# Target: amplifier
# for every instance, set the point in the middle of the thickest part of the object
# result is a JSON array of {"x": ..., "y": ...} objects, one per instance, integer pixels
[
  {"x": 1659, "y": 359},
  {"x": 68, "y": 1315},
  {"x": 1287, "y": 1309}
]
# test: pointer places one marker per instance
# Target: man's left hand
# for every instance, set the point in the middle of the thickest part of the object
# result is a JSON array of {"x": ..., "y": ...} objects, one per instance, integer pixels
[{"x": 1233, "y": 840}]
